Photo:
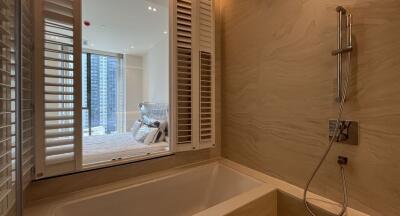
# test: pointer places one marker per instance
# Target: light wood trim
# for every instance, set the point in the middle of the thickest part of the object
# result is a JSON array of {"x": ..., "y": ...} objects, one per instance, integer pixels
[
  {"x": 77, "y": 13},
  {"x": 172, "y": 76},
  {"x": 214, "y": 73}
]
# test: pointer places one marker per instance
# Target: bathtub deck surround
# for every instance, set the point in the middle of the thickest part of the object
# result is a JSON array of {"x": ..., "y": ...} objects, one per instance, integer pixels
[{"x": 222, "y": 187}]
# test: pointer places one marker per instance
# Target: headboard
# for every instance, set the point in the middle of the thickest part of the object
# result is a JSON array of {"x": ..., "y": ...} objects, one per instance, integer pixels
[{"x": 157, "y": 111}]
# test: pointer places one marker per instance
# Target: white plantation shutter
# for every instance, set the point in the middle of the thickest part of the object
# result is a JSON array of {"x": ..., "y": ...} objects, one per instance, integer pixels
[
  {"x": 7, "y": 142},
  {"x": 58, "y": 93},
  {"x": 207, "y": 73},
  {"x": 194, "y": 71},
  {"x": 184, "y": 75}
]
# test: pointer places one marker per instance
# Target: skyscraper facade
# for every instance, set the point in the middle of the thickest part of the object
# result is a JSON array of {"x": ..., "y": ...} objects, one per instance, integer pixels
[{"x": 103, "y": 94}]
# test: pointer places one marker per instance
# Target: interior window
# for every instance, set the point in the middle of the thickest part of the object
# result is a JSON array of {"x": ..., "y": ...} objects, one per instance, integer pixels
[{"x": 125, "y": 79}]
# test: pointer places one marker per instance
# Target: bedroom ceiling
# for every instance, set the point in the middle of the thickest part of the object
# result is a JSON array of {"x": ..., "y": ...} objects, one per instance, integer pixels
[{"x": 124, "y": 26}]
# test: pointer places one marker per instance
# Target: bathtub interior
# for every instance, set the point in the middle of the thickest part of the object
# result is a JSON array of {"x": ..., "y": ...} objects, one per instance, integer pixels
[
  {"x": 277, "y": 203},
  {"x": 185, "y": 193},
  {"x": 289, "y": 205}
]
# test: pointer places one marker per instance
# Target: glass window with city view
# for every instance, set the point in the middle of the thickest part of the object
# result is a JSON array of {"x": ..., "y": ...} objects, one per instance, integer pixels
[
  {"x": 125, "y": 80},
  {"x": 99, "y": 95}
]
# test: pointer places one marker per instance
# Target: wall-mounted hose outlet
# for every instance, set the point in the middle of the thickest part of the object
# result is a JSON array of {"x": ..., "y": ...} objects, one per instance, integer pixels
[{"x": 342, "y": 160}]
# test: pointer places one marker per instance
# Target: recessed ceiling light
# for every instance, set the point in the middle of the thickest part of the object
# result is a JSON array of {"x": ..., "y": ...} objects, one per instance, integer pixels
[
  {"x": 132, "y": 47},
  {"x": 165, "y": 32},
  {"x": 154, "y": 9},
  {"x": 150, "y": 8}
]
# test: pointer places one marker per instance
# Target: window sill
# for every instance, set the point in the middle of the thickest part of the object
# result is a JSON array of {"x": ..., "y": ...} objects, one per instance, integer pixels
[{"x": 123, "y": 161}]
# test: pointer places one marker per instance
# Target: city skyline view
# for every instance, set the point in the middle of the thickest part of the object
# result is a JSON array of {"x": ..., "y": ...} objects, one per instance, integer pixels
[{"x": 99, "y": 84}]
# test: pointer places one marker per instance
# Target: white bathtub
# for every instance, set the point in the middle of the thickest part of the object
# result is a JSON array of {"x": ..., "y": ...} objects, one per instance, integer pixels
[
  {"x": 184, "y": 193},
  {"x": 222, "y": 188}
]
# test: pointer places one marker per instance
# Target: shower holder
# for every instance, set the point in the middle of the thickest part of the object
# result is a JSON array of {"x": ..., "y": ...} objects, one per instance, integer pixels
[
  {"x": 342, "y": 160},
  {"x": 347, "y": 132}
]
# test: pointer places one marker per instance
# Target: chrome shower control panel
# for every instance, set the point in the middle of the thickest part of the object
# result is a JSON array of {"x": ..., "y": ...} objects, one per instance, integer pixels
[{"x": 346, "y": 132}]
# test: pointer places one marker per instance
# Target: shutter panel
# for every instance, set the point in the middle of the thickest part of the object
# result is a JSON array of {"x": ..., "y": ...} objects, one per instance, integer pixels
[
  {"x": 27, "y": 89},
  {"x": 183, "y": 75},
  {"x": 58, "y": 103},
  {"x": 207, "y": 73},
  {"x": 194, "y": 74},
  {"x": 7, "y": 140}
]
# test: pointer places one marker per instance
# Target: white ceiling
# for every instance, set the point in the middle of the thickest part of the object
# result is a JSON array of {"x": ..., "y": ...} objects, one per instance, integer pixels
[{"x": 117, "y": 25}]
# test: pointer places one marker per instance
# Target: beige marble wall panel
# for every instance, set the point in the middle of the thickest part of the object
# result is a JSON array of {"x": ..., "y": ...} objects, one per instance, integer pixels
[{"x": 278, "y": 89}]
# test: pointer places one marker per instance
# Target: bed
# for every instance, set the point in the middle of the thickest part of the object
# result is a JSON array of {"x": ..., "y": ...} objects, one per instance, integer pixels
[{"x": 102, "y": 148}]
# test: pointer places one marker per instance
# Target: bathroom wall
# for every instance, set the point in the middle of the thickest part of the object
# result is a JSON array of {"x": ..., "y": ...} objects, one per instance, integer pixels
[{"x": 278, "y": 91}]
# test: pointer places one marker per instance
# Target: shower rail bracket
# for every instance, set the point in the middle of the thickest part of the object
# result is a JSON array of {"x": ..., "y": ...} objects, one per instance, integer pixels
[{"x": 340, "y": 51}]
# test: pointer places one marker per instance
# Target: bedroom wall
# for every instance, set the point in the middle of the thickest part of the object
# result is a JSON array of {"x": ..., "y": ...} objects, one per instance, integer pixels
[
  {"x": 156, "y": 72},
  {"x": 278, "y": 92},
  {"x": 133, "y": 86}
]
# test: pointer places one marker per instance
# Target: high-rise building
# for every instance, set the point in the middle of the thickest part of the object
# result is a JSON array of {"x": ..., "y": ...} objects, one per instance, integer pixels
[
  {"x": 85, "y": 112},
  {"x": 112, "y": 68},
  {"x": 103, "y": 93},
  {"x": 94, "y": 91}
]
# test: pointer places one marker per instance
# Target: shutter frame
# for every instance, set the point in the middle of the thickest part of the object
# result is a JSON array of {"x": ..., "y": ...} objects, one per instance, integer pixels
[
  {"x": 183, "y": 138},
  {"x": 206, "y": 26},
  {"x": 58, "y": 87}
]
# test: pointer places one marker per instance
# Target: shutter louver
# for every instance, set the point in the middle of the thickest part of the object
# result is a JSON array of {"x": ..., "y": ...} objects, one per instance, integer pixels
[
  {"x": 184, "y": 76},
  {"x": 206, "y": 100},
  {"x": 207, "y": 72},
  {"x": 60, "y": 76},
  {"x": 7, "y": 113}
]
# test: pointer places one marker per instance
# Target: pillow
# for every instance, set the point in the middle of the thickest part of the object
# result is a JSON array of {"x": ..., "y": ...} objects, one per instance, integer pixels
[
  {"x": 135, "y": 127},
  {"x": 161, "y": 124},
  {"x": 151, "y": 122},
  {"x": 151, "y": 136},
  {"x": 142, "y": 133}
]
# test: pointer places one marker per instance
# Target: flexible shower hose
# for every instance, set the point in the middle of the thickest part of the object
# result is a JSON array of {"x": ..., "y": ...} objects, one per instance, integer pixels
[{"x": 331, "y": 141}]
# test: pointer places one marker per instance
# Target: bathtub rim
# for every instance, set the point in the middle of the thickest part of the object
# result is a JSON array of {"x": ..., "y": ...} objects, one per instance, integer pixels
[
  {"x": 295, "y": 191},
  {"x": 212, "y": 165},
  {"x": 48, "y": 206}
]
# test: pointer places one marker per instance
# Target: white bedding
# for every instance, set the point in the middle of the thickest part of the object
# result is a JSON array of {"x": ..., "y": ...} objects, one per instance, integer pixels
[{"x": 107, "y": 147}]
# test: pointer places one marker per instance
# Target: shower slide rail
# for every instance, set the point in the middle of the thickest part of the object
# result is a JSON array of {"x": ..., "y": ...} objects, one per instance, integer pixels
[{"x": 342, "y": 49}]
